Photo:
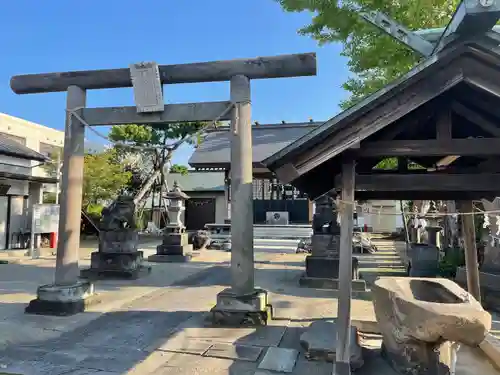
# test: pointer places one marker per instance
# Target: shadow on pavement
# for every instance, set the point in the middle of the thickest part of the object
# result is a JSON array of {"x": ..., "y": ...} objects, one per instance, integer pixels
[
  {"x": 138, "y": 334},
  {"x": 143, "y": 336}
]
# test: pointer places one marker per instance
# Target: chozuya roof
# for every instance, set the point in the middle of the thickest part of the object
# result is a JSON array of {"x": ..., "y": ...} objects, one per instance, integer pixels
[
  {"x": 348, "y": 127},
  {"x": 214, "y": 151}
]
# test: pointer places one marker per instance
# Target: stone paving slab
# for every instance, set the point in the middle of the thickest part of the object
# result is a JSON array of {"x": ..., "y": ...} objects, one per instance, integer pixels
[
  {"x": 186, "y": 347},
  {"x": 235, "y": 352},
  {"x": 279, "y": 360},
  {"x": 185, "y": 364},
  {"x": 198, "y": 329},
  {"x": 320, "y": 343}
]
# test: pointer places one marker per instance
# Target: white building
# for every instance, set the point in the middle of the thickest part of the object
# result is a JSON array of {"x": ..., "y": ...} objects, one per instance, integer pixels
[
  {"x": 383, "y": 216},
  {"x": 24, "y": 148}
]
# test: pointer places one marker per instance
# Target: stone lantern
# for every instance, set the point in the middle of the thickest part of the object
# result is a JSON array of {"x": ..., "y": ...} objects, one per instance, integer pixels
[
  {"x": 175, "y": 246},
  {"x": 176, "y": 207},
  {"x": 433, "y": 226}
]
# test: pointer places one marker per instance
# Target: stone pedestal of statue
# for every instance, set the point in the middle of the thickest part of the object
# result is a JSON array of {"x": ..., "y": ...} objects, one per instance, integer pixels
[
  {"x": 175, "y": 246},
  {"x": 322, "y": 266},
  {"x": 118, "y": 255}
]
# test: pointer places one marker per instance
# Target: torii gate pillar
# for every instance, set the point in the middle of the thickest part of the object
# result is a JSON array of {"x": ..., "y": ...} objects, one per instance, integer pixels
[{"x": 241, "y": 302}]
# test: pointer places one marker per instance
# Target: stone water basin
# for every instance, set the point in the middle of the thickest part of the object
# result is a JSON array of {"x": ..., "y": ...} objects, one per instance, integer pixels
[{"x": 421, "y": 318}]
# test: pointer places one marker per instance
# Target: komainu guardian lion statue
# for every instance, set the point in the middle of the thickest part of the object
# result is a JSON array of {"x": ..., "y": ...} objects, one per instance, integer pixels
[
  {"x": 325, "y": 214},
  {"x": 119, "y": 215}
]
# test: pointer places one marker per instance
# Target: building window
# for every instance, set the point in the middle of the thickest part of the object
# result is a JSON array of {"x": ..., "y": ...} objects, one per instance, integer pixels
[
  {"x": 15, "y": 138},
  {"x": 49, "y": 150}
]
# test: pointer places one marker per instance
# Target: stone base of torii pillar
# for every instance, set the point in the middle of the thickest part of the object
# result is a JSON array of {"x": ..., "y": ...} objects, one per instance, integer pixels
[
  {"x": 63, "y": 300},
  {"x": 234, "y": 309}
]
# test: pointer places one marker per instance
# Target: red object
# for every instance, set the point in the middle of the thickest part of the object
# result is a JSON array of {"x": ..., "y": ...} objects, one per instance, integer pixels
[
  {"x": 53, "y": 240},
  {"x": 366, "y": 228}
]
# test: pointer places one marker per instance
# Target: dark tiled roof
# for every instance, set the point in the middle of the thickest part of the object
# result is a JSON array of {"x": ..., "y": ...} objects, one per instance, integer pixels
[
  {"x": 23, "y": 177},
  {"x": 267, "y": 140},
  {"x": 9, "y": 147}
]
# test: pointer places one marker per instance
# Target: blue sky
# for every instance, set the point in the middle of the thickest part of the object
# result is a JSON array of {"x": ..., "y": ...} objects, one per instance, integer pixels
[{"x": 50, "y": 36}]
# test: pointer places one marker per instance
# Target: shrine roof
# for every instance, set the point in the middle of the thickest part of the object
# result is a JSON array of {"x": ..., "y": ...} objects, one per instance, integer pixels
[
  {"x": 309, "y": 159},
  {"x": 267, "y": 139}
]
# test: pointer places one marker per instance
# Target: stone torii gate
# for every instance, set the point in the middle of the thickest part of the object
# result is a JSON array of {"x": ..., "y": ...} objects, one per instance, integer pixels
[{"x": 68, "y": 294}]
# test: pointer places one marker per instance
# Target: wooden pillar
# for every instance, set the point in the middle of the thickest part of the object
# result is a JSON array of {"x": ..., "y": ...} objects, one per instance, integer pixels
[
  {"x": 342, "y": 366},
  {"x": 67, "y": 271},
  {"x": 471, "y": 263},
  {"x": 242, "y": 258}
]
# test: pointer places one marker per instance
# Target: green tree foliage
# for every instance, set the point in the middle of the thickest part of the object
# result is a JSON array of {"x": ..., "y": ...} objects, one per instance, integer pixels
[
  {"x": 52, "y": 166},
  {"x": 164, "y": 141},
  {"x": 389, "y": 163},
  {"x": 49, "y": 197},
  {"x": 392, "y": 163},
  {"x": 374, "y": 57},
  {"x": 156, "y": 137},
  {"x": 178, "y": 168},
  {"x": 103, "y": 178}
]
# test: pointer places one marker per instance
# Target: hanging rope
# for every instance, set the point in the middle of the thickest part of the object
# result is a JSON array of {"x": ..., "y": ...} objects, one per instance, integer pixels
[
  {"x": 365, "y": 208},
  {"x": 172, "y": 146}
]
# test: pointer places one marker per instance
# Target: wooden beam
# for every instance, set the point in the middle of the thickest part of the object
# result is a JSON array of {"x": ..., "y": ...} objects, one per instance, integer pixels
[
  {"x": 444, "y": 133},
  {"x": 476, "y": 118},
  {"x": 415, "y": 148},
  {"x": 402, "y": 164},
  {"x": 482, "y": 76},
  {"x": 282, "y": 66},
  {"x": 409, "y": 124},
  {"x": 471, "y": 263},
  {"x": 473, "y": 97},
  {"x": 381, "y": 110},
  {"x": 426, "y": 182},
  {"x": 343, "y": 352},
  {"x": 207, "y": 111},
  {"x": 444, "y": 125}
]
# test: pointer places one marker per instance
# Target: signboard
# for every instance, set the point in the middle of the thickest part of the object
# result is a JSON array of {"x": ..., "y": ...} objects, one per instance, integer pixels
[
  {"x": 148, "y": 90},
  {"x": 45, "y": 218}
]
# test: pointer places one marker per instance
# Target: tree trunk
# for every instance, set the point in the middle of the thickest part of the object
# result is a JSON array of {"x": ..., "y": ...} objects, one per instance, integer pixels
[
  {"x": 162, "y": 160},
  {"x": 147, "y": 186},
  {"x": 164, "y": 183}
]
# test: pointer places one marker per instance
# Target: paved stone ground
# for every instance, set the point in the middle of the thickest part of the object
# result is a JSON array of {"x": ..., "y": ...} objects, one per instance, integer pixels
[{"x": 156, "y": 325}]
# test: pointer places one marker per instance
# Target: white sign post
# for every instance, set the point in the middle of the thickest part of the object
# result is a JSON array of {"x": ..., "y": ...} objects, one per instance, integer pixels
[{"x": 45, "y": 219}]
